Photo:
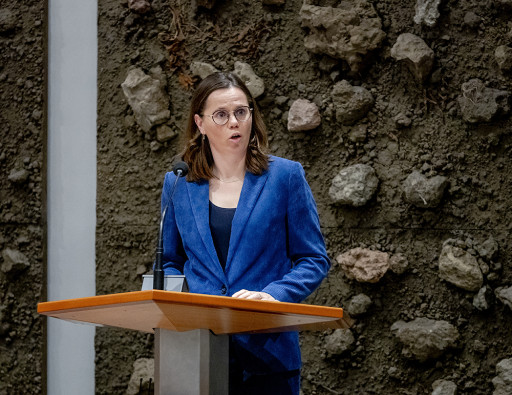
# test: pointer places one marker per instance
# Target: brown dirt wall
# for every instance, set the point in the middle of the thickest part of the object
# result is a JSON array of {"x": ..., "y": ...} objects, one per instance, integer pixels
[
  {"x": 476, "y": 160},
  {"x": 22, "y": 188}
]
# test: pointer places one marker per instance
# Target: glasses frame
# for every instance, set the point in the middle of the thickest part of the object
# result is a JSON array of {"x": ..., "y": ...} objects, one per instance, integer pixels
[{"x": 229, "y": 117}]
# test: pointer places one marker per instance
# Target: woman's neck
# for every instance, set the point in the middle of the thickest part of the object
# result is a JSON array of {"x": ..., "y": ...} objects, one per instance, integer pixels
[{"x": 227, "y": 168}]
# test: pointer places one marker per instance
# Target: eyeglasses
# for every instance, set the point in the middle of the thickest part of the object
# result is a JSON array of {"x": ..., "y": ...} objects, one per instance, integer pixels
[{"x": 221, "y": 117}]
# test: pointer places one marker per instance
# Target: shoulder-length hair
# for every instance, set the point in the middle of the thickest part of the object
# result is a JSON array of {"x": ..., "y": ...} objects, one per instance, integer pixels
[{"x": 197, "y": 152}]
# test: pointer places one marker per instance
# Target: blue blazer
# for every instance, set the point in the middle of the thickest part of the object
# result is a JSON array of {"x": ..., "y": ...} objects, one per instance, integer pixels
[{"x": 275, "y": 246}]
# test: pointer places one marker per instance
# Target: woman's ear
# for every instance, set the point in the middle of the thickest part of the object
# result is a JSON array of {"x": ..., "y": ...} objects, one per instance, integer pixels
[{"x": 199, "y": 122}]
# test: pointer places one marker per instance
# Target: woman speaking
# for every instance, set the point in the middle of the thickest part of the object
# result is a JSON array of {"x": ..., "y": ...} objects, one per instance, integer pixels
[{"x": 244, "y": 224}]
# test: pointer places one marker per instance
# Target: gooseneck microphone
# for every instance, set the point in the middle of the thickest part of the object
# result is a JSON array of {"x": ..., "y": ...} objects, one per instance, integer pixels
[{"x": 181, "y": 170}]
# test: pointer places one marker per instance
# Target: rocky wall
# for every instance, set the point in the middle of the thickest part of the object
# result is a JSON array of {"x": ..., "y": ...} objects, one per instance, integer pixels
[
  {"x": 22, "y": 185},
  {"x": 399, "y": 112}
]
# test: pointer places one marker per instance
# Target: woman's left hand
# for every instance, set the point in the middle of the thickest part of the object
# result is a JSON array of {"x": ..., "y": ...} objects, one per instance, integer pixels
[{"x": 245, "y": 294}]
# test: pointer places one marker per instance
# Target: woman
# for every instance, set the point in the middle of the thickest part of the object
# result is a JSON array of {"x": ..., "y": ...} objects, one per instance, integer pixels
[{"x": 243, "y": 225}]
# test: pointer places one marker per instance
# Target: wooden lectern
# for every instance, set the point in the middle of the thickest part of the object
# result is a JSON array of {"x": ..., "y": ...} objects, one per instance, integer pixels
[{"x": 191, "y": 330}]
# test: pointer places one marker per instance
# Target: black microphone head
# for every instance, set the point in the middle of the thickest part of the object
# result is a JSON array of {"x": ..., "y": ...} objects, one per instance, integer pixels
[{"x": 180, "y": 169}]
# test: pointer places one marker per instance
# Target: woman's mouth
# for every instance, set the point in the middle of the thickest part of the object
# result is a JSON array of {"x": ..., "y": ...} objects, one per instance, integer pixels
[{"x": 235, "y": 137}]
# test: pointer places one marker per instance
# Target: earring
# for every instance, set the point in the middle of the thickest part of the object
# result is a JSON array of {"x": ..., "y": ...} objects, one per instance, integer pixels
[{"x": 203, "y": 138}]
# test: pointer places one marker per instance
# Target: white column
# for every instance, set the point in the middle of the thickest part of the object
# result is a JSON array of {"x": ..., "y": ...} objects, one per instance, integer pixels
[{"x": 72, "y": 63}]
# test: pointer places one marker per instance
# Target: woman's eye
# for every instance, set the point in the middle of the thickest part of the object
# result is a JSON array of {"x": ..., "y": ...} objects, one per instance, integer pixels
[
  {"x": 221, "y": 114},
  {"x": 241, "y": 111}
]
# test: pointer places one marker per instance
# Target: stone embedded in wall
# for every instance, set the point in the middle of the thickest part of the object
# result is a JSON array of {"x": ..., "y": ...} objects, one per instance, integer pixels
[
  {"x": 398, "y": 263},
  {"x": 425, "y": 339},
  {"x": 444, "y": 387},
  {"x": 423, "y": 192},
  {"x": 202, "y": 69},
  {"x": 402, "y": 120},
  {"x": 460, "y": 268},
  {"x": 364, "y": 265},
  {"x": 359, "y": 305},
  {"x": 472, "y": 20},
  {"x": 139, "y": 6},
  {"x": 488, "y": 249},
  {"x": 303, "y": 115},
  {"x": 503, "y": 381},
  {"x": 427, "y": 12},
  {"x": 503, "y": 56},
  {"x": 504, "y": 294},
  {"x": 351, "y": 102},
  {"x": 481, "y": 104},
  {"x": 339, "y": 342},
  {"x": 354, "y": 185},
  {"x": 254, "y": 83},
  {"x": 8, "y": 20},
  {"x": 348, "y": 32},
  {"x": 480, "y": 301},
  {"x": 165, "y": 133},
  {"x": 415, "y": 53},
  {"x": 14, "y": 261},
  {"x": 143, "y": 368},
  {"x": 18, "y": 176},
  {"x": 147, "y": 98}
]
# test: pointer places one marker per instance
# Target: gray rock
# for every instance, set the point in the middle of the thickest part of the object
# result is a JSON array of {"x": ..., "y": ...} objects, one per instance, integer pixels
[
  {"x": 427, "y": 12},
  {"x": 402, "y": 120},
  {"x": 351, "y": 102},
  {"x": 202, "y": 69},
  {"x": 347, "y": 32},
  {"x": 505, "y": 295},
  {"x": 339, "y": 342},
  {"x": 503, "y": 56},
  {"x": 303, "y": 115},
  {"x": 18, "y": 176},
  {"x": 354, "y": 185},
  {"x": 165, "y": 133},
  {"x": 503, "y": 381},
  {"x": 139, "y": 6},
  {"x": 425, "y": 339},
  {"x": 481, "y": 104},
  {"x": 444, "y": 387},
  {"x": 479, "y": 301},
  {"x": 488, "y": 249},
  {"x": 8, "y": 20},
  {"x": 460, "y": 268},
  {"x": 423, "y": 192},
  {"x": 254, "y": 83},
  {"x": 364, "y": 265},
  {"x": 472, "y": 20},
  {"x": 143, "y": 368},
  {"x": 359, "y": 304},
  {"x": 415, "y": 53},
  {"x": 147, "y": 98},
  {"x": 14, "y": 261},
  {"x": 398, "y": 263}
]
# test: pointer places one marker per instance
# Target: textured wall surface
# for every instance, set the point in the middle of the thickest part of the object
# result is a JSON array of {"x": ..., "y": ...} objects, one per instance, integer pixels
[
  {"x": 424, "y": 212},
  {"x": 22, "y": 218},
  {"x": 426, "y": 113}
]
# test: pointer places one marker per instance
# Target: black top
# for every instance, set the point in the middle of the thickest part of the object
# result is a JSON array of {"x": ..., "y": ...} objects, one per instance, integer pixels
[{"x": 220, "y": 226}]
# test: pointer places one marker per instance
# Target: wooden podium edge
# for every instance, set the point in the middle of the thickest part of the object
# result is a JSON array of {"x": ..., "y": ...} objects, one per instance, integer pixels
[{"x": 334, "y": 315}]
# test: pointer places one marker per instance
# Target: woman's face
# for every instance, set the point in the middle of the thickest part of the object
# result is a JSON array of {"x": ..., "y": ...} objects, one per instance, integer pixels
[{"x": 232, "y": 137}]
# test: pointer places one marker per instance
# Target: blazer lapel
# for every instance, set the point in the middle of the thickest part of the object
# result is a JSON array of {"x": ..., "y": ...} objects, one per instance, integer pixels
[
  {"x": 251, "y": 190},
  {"x": 199, "y": 198}
]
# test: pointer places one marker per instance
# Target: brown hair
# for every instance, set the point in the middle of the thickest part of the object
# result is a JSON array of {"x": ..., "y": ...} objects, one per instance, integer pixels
[{"x": 197, "y": 153}]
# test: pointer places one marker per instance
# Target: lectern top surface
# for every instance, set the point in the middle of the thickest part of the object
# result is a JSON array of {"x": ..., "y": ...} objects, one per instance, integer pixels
[{"x": 179, "y": 311}]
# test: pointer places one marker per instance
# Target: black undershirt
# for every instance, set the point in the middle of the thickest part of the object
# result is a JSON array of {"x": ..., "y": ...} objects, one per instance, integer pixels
[{"x": 221, "y": 219}]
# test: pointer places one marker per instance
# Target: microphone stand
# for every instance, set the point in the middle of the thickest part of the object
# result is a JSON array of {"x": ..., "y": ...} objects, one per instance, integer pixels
[{"x": 158, "y": 271}]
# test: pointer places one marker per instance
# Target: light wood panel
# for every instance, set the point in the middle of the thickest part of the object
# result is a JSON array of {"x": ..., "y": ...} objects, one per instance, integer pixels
[{"x": 178, "y": 311}]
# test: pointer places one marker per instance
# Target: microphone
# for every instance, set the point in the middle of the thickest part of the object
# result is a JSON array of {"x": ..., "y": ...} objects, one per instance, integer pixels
[{"x": 181, "y": 170}]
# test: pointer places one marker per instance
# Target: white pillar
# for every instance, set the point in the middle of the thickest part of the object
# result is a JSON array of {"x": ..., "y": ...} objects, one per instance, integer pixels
[{"x": 72, "y": 63}]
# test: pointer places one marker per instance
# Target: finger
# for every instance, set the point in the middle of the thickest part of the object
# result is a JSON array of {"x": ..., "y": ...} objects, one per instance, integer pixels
[{"x": 243, "y": 293}]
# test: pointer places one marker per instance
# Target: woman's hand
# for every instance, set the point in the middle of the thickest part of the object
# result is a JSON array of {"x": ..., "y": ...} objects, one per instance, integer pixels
[{"x": 245, "y": 294}]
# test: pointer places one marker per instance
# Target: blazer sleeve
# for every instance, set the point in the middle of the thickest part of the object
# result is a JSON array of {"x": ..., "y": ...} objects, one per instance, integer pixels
[
  {"x": 305, "y": 243},
  {"x": 174, "y": 256}
]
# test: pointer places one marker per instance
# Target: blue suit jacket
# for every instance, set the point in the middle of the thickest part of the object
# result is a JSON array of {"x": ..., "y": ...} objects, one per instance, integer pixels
[{"x": 276, "y": 247}]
